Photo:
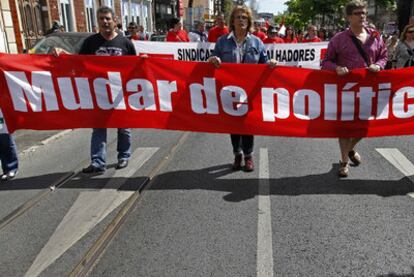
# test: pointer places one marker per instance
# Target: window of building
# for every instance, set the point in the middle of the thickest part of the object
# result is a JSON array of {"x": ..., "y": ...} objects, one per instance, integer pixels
[
  {"x": 109, "y": 3},
  {"x": 90, "y": 15},
  {"x": 66, "y": 15}
]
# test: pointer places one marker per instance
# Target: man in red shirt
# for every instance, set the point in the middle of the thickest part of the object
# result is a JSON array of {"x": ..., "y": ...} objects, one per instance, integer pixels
[
  {"x": 272, "y": 36},
  {"x": 257, "y": 32},
  {"x": 218, "y": 30},
  {"x": 311, "y": 35},
  {"x": 176, "y": 33}
]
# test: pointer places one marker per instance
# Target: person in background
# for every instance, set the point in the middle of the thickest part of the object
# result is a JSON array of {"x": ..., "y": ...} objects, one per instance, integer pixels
[
  {"x": 176, "y": 33},
  {"x": 142, "y": 34},
  {"x": 404, "y": 54},
  {"x": 311, "y": 35},
  {"x": 272, "y": 36},
  {"x": 392, "y": 50},
  {"x": 56, "y": 28},
  {"x": 299, "y": 37},
  {"x": 218, "y": 30},
  {"x": 133, "y": 31},
  {"x": 344, "y": 54},
  {"x": 240, "y": 46},
  {"x": 322, "y": 34},
  {"x": 290, "y": 35},
  {"x": 8, "y": 157},
  {"x": 118, "y": 29},
  {"x": 258, "y": 32},
  {"x": 199, "y": 33}
]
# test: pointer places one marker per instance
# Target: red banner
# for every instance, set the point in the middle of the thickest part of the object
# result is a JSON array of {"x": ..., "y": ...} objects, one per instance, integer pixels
[{"x": 43, "y": 93}]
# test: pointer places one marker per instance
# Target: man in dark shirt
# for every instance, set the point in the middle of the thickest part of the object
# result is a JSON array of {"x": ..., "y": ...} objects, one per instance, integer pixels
[{"x": 106, "y": 43}]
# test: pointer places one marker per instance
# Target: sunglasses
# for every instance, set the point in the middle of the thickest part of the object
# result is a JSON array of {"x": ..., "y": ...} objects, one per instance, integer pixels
[
  {"x": 129, "y": 27},
  {"x": 240, "y": 17},
  {"x": 359, "y": 13}
]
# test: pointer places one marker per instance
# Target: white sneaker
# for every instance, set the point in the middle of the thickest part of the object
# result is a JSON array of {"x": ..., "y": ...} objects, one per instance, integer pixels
[{"x": 9, "y": 175}]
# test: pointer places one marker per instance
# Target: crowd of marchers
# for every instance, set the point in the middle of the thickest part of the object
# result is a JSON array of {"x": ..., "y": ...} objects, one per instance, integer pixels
[{"x": 242, "y": 41}]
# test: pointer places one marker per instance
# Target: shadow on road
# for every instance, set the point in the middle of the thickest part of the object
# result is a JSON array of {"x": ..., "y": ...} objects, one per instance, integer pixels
[
  {"x": 399, "y": 275},
  {"x": 212, "y": 178}
]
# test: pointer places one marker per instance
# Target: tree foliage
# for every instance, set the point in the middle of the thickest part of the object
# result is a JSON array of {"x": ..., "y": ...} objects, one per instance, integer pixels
[{"x": 302, "y": 12}]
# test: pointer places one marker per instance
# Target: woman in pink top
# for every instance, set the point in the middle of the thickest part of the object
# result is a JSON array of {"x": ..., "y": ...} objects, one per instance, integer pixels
[{"x": 343, "y": 55}]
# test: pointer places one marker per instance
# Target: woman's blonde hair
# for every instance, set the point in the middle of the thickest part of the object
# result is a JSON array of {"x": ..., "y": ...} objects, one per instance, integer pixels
[
  {"x": 244, "y": 9},
  {"x": 404, "y": 32}
]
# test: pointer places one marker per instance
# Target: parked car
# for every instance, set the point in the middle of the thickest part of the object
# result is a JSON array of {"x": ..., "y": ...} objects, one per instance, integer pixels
[{"x": 70, "y": 41}]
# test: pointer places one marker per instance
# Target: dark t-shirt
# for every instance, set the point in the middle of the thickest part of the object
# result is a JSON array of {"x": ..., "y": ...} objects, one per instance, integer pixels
[{"x": 97, "y": 45}]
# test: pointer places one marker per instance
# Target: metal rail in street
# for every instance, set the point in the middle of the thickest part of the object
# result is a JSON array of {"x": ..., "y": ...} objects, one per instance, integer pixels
[{"x": 95, "y": 252}]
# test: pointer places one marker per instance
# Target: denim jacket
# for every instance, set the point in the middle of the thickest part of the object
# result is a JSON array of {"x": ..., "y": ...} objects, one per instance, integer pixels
[{"x": 253, "y": 49}]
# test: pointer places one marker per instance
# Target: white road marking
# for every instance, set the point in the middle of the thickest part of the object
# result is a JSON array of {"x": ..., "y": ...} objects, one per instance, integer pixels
[
  {"x": 55, "y": 136},
  {"x": 397, "y": 159},
  {"x": 264, "y": 224},
  {"x": 89, "y": 209}
]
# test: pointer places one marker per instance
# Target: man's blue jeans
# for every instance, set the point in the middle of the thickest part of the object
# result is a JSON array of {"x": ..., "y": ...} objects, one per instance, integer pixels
[
  {"x": 98, "y": 146},
  {"x": 8, "y": 153}
]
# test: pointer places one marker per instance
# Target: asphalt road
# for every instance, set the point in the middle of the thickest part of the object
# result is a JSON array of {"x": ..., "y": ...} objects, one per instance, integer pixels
[{"x": 292, "y": 216}]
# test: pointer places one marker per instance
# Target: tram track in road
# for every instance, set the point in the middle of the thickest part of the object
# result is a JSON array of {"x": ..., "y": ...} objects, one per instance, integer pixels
[
  {"x": 58, "y": 183},
  {"x": 95, "y": 252}
]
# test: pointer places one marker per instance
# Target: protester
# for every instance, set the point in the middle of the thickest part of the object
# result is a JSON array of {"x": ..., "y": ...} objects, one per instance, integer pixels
[
  {"x": 218, "y": 30},
  {"x": 311, "y": 35},
  {"x": 240, "y": 46},
  {"x": 299, "y": 37},
  {"x": 272, "y": 36},
  {"x": 8, "y": 157},
  {"x": 405, "y": 49},
  {"x": 258, "y": 32},
  {"x": 290, "y": 35},
  {"x": 142, "y": 34},
  {"x": 119, "y": 30},
  {"x": 322, "y": 34},
  {"x": 106, "y": 43},
  {"x": 176, "y": 33},
  {"x": 56, "y": 28},
  {"x": 392, "y": 50},
  {"x": 356, "y": 47},
  {"x": 133, "y": 31},
  {"x": 199, "y": 33}
]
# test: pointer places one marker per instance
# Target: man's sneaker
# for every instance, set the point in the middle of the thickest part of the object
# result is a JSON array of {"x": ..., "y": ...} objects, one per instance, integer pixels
[
  {"x": 122, "y": 164},
  {"x": 343, "y": 169},
  {"x": 93, "y": 169},
  {"x": 354, "y": 157},
  {"x": 237, "y": 165},
  {"x": 248, "y": 164},
  {"x": 9, "y": 175}
]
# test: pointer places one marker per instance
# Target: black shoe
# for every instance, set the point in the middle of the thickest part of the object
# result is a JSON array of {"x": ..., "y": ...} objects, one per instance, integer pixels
[
  {"x": 93, "y": 169},
  {"x": 122, "y": 164},
  {"x": 354, "y": 157},
  {"x": 237, "y": 164}
]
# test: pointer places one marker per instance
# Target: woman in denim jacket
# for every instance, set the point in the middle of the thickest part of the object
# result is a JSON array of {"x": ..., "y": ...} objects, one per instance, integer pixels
[{"x": 240, "y": 46}]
